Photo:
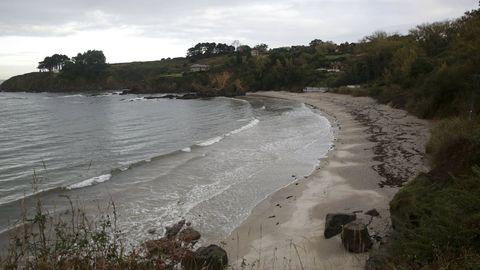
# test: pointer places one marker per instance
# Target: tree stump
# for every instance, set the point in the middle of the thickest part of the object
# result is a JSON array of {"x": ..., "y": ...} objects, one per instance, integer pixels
[
  {"x": 334, "y": 223},
  {"x": 355, "y": 237}
]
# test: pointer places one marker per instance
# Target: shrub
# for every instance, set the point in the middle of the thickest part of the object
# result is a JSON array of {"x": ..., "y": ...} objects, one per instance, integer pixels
[
  {"x": 72, "y": 241},
  {"x": 437, "y": 223},
  {"x": 454, "y": 146}
]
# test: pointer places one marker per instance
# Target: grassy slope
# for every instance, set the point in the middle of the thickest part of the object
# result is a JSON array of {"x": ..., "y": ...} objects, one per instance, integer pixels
[
  {"x": 150, "y": 75},
  {"x": 437, "y": 216}
]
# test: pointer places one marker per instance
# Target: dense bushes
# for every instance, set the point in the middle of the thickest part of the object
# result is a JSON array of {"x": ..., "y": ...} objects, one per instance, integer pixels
[
  {"x": 454, "y": 146},
  {"x": 437, "y": 222},
  {"x": 428, "y": 72},
  {"x": 73, "y": 240},
  {"x": 437, "y": 216}
]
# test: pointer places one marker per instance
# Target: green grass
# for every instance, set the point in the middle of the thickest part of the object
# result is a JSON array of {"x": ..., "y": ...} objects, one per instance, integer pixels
[{"x": 436, "y": 217}]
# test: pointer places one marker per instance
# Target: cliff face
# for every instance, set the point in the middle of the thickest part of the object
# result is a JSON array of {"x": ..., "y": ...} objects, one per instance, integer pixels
[
  {"x": 30, "y": 82},
  {"x": 200, "y": 83}
]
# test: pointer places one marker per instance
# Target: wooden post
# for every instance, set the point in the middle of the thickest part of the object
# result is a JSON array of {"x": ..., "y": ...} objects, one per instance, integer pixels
[{"x": 355, "y": 237}]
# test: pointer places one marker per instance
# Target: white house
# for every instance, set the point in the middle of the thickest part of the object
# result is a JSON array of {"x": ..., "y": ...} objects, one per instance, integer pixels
[
  {"x": 315, "y": 89},
  {"x": 199, "y": 67}
]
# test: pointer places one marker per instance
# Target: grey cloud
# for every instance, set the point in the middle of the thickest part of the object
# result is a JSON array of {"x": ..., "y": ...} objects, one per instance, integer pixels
[{"x": 280, "y": 21}]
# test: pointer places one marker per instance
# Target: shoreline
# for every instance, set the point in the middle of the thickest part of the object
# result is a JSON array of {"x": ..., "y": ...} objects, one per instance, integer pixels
[{"x": 376, "y": 149}]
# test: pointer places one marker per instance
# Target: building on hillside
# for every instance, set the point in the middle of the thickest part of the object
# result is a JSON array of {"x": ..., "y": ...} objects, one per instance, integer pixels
[
  {"x": 315, "y": 89},
  {"x": 199, "y": 67},
  {"x": 328, "y": 70}
]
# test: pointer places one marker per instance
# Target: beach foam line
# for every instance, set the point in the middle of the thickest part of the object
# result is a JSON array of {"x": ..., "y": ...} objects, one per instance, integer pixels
[
  {"x": 136, "y": 99},
  {"x": 90, "y": 182},
  {"x": 187, "y": 149},
  {"x": 214, "y": 140},
  {"x": 251, "y": 124},
  {"x": 69, "y": 96},
  {"x": 211, "y": 141}
]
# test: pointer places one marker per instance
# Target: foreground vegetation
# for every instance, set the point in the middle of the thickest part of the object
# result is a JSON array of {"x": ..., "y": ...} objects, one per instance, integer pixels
[
  {"x": 437, "y": 216},
  {"x": 75, "y": 240}
]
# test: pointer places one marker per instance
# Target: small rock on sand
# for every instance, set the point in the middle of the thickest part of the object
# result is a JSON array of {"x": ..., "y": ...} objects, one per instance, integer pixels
[{"x": 373, "y": 213}]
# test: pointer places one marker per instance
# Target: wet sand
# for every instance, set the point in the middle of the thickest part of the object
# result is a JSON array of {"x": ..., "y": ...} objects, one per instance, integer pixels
[{"x": 377, "y": 149}]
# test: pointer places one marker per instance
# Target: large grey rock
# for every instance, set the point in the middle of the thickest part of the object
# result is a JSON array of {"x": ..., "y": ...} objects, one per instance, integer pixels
[
  {"x": 212, "y": 257},
  {"x": 334, "y": 223},
  {"x": 355, "y": 237},
  {"x": 189, "y": 235},
  {"x": 173, "y": 230},
  {"x": 373, "y": 213}
]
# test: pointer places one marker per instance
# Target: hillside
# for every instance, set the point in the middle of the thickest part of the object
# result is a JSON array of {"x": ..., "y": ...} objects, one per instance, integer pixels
[
  {"x": 166, "y": 75},
  {"x": 289, "y": 68}
]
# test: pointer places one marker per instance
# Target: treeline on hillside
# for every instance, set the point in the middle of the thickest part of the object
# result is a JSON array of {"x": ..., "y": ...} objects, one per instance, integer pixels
[
  {"x": 85, "y": 71},
  {"x": 89, "y": 64},
  {"x": 429, "y": 71}
]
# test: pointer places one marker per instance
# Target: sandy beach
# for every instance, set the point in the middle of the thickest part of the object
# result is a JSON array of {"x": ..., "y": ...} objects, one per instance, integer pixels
[{"x": 377, "y": 149}]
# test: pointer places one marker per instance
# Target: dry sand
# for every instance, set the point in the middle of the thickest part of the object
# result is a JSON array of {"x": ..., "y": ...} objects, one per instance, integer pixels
[{"x": 377, "y": 149}]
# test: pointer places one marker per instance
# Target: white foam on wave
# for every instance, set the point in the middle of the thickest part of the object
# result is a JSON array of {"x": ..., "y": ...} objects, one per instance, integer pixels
[
  {"x": 252, "y": 123},
  {"x": 90, "y": 182},
  {"x": 68, "y": 96},
  {"x": 214, "y": 140},
  {"x": 211, "y": 141},
  {"x": 136, "y": 99},
  {"x": 187, "y": 149},
  {"x": 239, "y": 99}
]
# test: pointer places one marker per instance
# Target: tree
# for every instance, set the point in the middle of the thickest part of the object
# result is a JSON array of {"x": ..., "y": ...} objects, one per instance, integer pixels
[
  {"x": 89, "y": 64},
  {"x": 434, "y": 38},
  {"x": 55, "y": 62},
  {"x": 91, "y": 57},
  {"x": 261, "y": 48},
  {"x": 209, "y": 49}
]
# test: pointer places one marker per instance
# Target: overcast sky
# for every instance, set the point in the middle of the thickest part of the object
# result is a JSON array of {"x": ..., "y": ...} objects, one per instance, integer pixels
[{"x": 128, "y": 30}]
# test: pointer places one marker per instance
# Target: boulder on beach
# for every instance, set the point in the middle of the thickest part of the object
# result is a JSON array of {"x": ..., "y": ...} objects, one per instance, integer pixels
[
  {"x": 373, "y": 213},
  {"x": 172, "y": 231},
  {"x": 212, "y": 257},
  {"x": 334, "y": 223},
  {"x": 355, "y": 237},
  {"x": 189, "y": 235}
]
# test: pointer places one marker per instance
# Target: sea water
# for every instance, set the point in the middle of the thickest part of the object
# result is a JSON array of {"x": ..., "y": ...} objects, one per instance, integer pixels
[{"x": 209, "y": 161}]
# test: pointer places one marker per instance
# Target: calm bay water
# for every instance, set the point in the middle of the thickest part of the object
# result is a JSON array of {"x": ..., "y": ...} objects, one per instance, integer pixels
[{"x": 209, "y": 161}]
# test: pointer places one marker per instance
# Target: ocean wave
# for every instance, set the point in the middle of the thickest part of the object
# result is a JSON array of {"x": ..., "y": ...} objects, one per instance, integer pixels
[
  {"x": 214, "y": 140},
  {"x": 211, "y": 141},
  {"x": 13, "y": 198},
  {"x": 252, "y": 123},
  {"x": 69, "y": 96},
  {"x": 135, "y": 99},
  {"x": 239, "y": 99},
  {"x": 90, "y": 182}
]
